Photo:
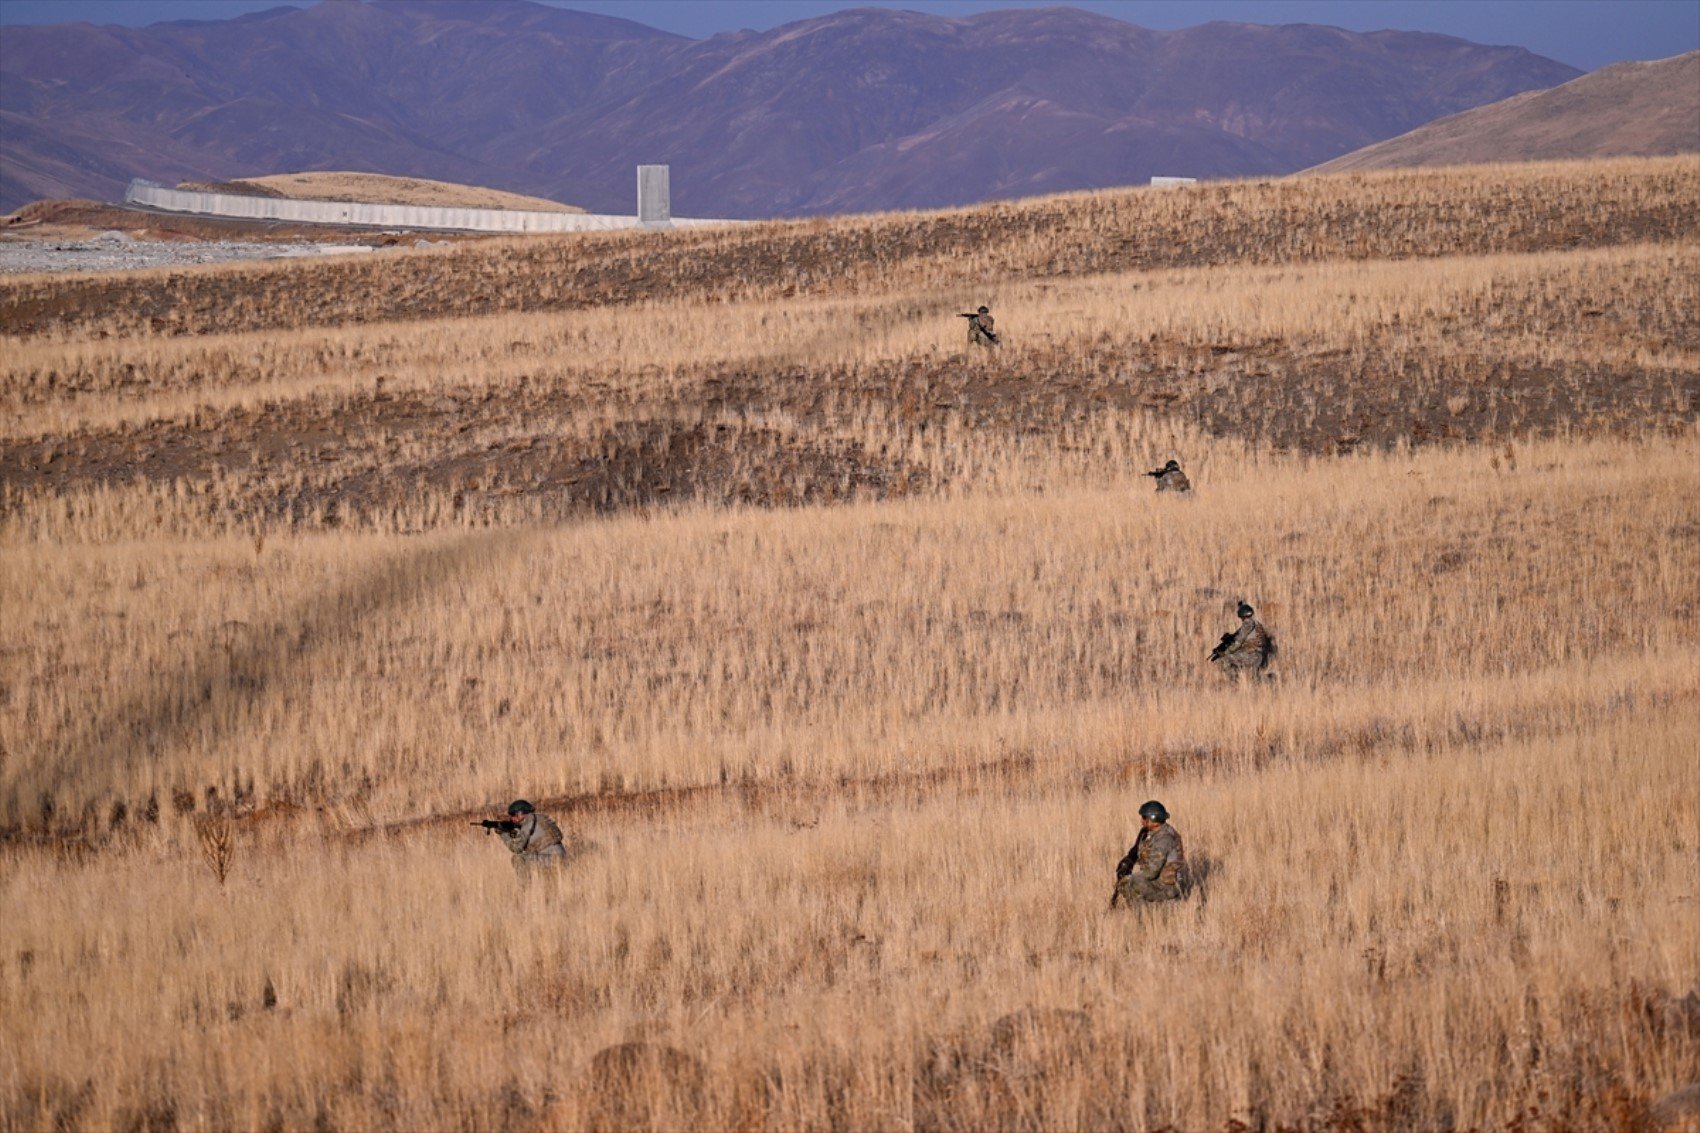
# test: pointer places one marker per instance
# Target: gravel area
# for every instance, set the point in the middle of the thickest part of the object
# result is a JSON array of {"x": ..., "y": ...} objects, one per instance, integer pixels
[{"x": 119, "y": 251}]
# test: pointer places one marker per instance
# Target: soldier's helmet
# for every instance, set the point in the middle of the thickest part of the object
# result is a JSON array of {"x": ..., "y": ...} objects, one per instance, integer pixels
[
  {"x": 985, "y": 310},
  {"x": 519, "y": 807},
  {"x": 1154, "y": 811},
  {"x": 1172, "y": 466},
  {"x": 1245, "y": 610}
]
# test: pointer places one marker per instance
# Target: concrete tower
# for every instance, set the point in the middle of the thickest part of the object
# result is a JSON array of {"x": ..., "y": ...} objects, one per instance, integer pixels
[{"x": 655, "y": 201}]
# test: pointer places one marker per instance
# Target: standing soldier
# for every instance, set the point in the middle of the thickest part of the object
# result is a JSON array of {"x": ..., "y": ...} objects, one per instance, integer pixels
[
  {"x": 1170, "y": 478},
  {"x": 1155, "y": 869},
  {"x": 980, "y": 331},
  {"x": 1247, "y": 649},
  {"x": 534, "y": 838}
]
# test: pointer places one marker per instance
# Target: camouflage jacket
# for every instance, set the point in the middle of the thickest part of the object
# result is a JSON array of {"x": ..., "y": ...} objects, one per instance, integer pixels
[
  {"x": 1251, "y": 639},
  {"x": 1175, "y": 481},
  {"x": 1157, "y": 856},
  {"x": 980, "y": 329},
  {"x": 535, "y": 833}
]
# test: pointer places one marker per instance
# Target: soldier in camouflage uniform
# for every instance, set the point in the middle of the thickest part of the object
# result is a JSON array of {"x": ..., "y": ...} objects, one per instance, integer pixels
[
  {"x": 1170, "y": 478},
  {"x": 1155, "y": 869},
  {"x": 1247, "y": 649},
  {"x": 980, "y": 328},
  {"x": 534, "y": 838}
]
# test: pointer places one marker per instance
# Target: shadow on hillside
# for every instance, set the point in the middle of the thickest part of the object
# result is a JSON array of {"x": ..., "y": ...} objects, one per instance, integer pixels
[{"x": 213, "y": 695}]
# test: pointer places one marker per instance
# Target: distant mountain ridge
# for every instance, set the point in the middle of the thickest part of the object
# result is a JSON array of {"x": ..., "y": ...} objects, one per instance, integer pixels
[
  {"x": 865, "y": 109},
  {"x": 1628, "y": 110}
]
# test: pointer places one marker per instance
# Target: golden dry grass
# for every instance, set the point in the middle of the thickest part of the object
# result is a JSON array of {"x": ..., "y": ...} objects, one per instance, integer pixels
[
  {"x": 1393, "y": 215},
  {"x": 294, "y": 596},
  {"x": 1620, "y": 308},
  {"x": 703, "y": 648},
  {"x": 1469, "y": 936},
  {"x": 551, "y": 415}
]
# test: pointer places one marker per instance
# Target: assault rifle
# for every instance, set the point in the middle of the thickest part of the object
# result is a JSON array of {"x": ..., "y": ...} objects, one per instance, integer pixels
[
  {"x": 505, "y": 825},
  {"x": 1125, "y": 866},
  {"x": 1221, "y": 649}
]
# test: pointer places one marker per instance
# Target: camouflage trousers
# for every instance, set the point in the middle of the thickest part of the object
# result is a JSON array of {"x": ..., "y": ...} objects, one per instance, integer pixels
[
  {"x": 539, "y": 861},
  {"x": 1136, "y": 891}
]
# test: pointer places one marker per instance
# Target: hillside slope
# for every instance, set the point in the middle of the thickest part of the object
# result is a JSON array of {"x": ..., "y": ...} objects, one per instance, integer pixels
[
  {"x": 845, "y": 655},
  {"x": 1630, "y": 110}
]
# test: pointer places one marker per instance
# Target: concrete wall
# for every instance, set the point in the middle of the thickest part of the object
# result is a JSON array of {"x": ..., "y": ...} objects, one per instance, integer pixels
[
  {"x": 1172, "y": 182},
  {"x": 382, "y": 216}
]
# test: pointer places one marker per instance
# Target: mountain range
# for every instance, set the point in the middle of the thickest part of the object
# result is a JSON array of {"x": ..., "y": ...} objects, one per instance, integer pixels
[
  {"x": 1627, "y": 110},
  {"x": 862, "y": 110}
]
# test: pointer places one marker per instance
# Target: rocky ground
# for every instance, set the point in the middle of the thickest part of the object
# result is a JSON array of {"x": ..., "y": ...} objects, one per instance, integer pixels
[
  {"x": 119, "y": 251},
  {"x": 89, "y": 236}
]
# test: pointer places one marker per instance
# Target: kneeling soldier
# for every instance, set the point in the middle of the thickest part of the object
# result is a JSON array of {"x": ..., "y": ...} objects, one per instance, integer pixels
[
  {"x": 534, "y": 838},
  {"x": 1247, "y": 649},
  {"x": 1155, "y": 869}
]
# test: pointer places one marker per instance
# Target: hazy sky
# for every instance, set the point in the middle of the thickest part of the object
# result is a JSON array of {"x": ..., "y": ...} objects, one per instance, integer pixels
[{"x": 1583, "y": 33}]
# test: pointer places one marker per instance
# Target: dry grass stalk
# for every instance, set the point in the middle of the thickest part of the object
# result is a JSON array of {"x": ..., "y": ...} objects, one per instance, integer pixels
[{"x": 216, "y": 835}]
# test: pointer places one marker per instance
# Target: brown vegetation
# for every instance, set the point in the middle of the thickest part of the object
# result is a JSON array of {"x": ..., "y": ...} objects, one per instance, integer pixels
[
  {"x": 290, "y": 593},
  {"x": 1377, "y": 216}
]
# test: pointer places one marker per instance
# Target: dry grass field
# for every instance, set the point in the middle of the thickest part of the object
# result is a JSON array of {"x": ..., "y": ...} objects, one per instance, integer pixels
[{"x": 845, "y": 656}]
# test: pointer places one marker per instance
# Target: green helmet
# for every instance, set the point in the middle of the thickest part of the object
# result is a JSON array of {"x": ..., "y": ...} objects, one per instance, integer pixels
[
  {"x": 519, "y": 807},
  {"x": 1153, "y": 811}
]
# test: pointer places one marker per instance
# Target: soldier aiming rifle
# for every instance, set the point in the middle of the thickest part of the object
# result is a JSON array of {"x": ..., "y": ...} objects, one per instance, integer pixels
[
  {"x": 980, "y": 331},
  {"x": 534, "y": 838},
  {"x": 1170, "y": 478}
]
